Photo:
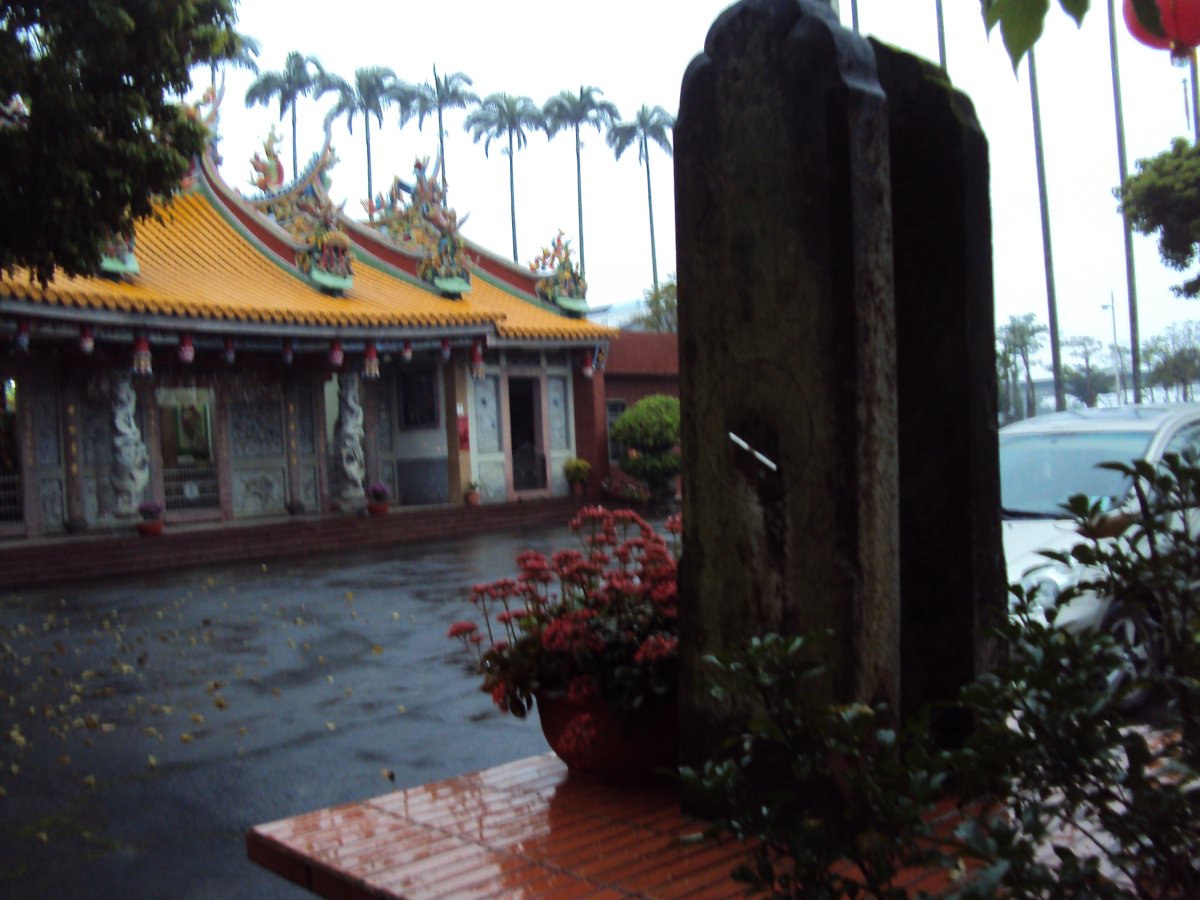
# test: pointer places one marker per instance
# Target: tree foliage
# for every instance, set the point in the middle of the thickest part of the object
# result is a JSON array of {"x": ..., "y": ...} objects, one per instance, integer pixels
[
  {"x": 649, "y": 430},
  {"x": 1021, "y": 21},
  {"x": 1164, "y": 196},
  {"x": 1018, "y": 341},
  {"x": 661, "y": 309},
  {"x": 93, "y": 138},
  {"x": 1086, "y": 381},
  {"x": 649, "y": 125},
  {"x": 1173, "y": 359},
  {"x": 446, "y": 92}
]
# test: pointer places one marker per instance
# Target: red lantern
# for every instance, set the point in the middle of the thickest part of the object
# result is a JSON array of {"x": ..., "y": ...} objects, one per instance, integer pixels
[
  {"x": 371, "y": 361},
  {"x": 445, "y": 349},
  {"x": 337, "y": 355},
  {"x": 23, "y": 335},
  {"x": 477, "y": 360},
  {"x": 187, "y": 350},
  {"x": 87, "y": 339},
  {"x": 1181, "y": 25},
  {"x": 230, "y": 351},
  {"x": 288, "y": 352},
  {"x": 588, "y": 369},
  {"x": 141, "y": 356},
  {"x": 406, "y": 353}
]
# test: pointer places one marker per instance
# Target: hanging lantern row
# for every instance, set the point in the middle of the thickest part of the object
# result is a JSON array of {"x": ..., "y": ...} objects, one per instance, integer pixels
[
  {"x": 1180, "y": 21},
  {"x": 142, "y": 364},
  {"x": 371, "y": 361}
]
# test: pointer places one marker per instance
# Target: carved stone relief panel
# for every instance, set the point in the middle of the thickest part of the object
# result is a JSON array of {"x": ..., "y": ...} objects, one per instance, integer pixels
[
  {"x": 256, "y": 428},
  {"x": 491, "y": 482},
  {"x": 49, "y": 448},
  {"x": 308, "y": 487},
  {"x": 258, "y": 492},
  {"x": 487, "y": 415},
  {"x": 556, "y": 390},
  {"x": 307, "y": 435},
  {"x": 53, "y": 505},
  {"x": 387, "y": 423}
]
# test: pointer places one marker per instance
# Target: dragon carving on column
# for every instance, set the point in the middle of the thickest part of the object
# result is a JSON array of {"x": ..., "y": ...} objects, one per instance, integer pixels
[
  {"x": 131, "y": 462},
  {"x": 349, "y": 434}
]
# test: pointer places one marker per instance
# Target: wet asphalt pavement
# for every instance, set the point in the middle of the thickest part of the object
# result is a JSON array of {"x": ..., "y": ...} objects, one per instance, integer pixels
[{"x": 147, "y": 723}]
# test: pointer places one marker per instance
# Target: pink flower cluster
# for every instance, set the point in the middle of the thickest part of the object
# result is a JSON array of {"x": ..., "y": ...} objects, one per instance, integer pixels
[{"x": 601, "y": 617}]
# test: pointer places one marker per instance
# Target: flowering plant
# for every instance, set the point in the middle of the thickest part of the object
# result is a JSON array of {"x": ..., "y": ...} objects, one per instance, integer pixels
[
  {"x": 379, "y": 492},
  {"x": 599, "y": 622},
  {"x": 150, "y": 510}
]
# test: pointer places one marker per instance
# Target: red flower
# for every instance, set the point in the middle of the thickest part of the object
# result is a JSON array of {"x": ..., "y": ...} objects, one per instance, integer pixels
[
  {"x": 462, "y": 629},
  {"x": 656, "y": 647}
]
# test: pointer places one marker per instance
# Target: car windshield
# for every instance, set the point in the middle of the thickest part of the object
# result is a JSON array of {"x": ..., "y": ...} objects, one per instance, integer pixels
[{"x": 1038, "y": 472}]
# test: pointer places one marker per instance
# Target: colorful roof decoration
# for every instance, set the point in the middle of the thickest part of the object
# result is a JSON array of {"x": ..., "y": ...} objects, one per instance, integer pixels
[
  {"x": 272, "y": 260},
  {"x": 558, "y": 282},
  {"x": 427, "y": 227}
]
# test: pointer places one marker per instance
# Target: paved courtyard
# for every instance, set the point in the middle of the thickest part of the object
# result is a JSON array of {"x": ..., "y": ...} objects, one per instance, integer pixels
[{"x": 146, "y": 723}]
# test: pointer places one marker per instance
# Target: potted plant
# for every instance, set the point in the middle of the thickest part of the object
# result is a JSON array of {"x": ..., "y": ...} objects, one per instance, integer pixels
[
  {"x": 576, "y": 471},
  {"x": 378, "y": 495},
  {"x": 471, "y": 493},
  {"x": 591, "y": 637},
  {"x": 152, "y": 522}
]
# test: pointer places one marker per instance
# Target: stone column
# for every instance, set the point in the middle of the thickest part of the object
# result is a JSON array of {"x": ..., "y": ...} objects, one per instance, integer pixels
[
  {"x": 348, "y": 433},
  {"x": 788, "y": 391},
  {"x": 952, "y": 579},
  {"x": 458, "y": 457},
  {"x": 291, "y": 420},
  {"x": 76, "y": 510},
  {"x": 131, "y": 462}
]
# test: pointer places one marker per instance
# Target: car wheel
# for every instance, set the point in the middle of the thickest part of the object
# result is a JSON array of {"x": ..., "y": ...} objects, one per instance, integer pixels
[{"x": 1137, "y": 640}]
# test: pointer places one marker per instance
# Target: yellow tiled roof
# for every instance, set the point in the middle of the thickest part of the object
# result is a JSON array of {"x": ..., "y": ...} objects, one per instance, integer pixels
[{"x": 196, "y": 264}]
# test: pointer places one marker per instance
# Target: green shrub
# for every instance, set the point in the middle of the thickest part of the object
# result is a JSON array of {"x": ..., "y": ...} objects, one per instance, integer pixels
[{"x": 649, "y": 430}]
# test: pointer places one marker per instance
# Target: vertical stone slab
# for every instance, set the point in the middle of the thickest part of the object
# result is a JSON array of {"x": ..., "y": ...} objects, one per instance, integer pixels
[
  {"x": 951, "y": 564},
  {"x": 458, "y": 457},
  {"x": 784, "y": 255}
]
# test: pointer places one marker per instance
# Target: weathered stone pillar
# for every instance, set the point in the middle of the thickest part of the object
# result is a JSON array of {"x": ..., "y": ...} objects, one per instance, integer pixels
[
  {"x": 458, "y": 442},
  {"x": 952, "y": 580},
  {"x": 348, "y": 432},
  {"x": 131, "y": 462},
  {"x": 76, "y": 510},
  {"x": 291, "y": 418},
  {"x": 784, "y": 253}
]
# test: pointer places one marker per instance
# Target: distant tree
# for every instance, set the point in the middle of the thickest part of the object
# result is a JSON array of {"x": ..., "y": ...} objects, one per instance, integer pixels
[
  {"x": 88, "y": 136},
  {"x": 1164, "y": 196},
  {"x": 503, "y": 115},
  {"x": 1024, "y": 338},
  {"x": 1086, "y": 381},
  {"x": 1006, "y": 372},
  {"x": 446, "y": 92},
  {"x": 568, "y": 110},
  {"x": 375, "y": 88},
  {"x": 649, "y": 431},
  {"x": 301, "y": 76},
  {"x": 648, "y": 125},
  {"x": 661, "y": 311},
  {"x": 1173, "y": 359}
]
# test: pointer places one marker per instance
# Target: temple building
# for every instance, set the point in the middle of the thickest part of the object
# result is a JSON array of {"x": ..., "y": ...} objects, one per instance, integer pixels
[{"x": 260, "y": 355}]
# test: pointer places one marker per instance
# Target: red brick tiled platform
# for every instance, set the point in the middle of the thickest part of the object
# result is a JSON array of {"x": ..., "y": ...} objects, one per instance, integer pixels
[{"x": 519, "y": 830}]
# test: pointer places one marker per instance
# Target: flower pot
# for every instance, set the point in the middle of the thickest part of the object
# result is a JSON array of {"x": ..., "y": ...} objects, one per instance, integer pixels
[
  {"x": 576, "y": 488},
  {"x": 471, "y": 498},
  {"x": 150, "y": 527},
  {"x": 592, "y": 740},
  {"x": 377, "y": 507}
]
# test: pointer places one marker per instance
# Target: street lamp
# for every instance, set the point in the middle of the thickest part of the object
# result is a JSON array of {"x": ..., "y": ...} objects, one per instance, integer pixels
[{"x": 1116, "y": 348}]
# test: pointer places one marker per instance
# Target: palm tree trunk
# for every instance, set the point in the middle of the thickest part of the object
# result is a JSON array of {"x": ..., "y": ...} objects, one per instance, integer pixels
[
  {"x": 441, "y": 144},
  {"x": 579, "y": 201},
  {"x": 512, "y": 195},
  {"x": 1060, "y": 402},
  {"x": 370, "y": 192},
  {"x": 650, "y": 204},
  {"x": 295, "y": 171}
]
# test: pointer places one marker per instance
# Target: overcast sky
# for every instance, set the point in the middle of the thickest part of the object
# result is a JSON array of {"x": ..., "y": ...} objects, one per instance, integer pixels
[{"x": 636, "y": 53}]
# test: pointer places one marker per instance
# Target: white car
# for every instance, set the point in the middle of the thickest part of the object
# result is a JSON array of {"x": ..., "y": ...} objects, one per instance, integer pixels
[{"x": 1046, "y": 459}]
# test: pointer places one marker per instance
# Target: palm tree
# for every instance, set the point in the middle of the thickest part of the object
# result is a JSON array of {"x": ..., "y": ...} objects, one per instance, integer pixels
[
  {"x": 237, "y": 50},
  {"x": 297, "y": 79},
  {"x": 375, "y": 88},
  {"x": 569, "y": 110},
  {"x": 648, "y": 125},
  {"x": 446, "y": 92},
  {"x": 500, "y": 115}
]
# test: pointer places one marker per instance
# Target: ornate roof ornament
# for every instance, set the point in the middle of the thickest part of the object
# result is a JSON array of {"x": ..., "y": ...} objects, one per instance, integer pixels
[
  {"x": 118, "y": 259},
  {"x": 304, "y": 209},
  {"x": 427, "y": 227},
  {"x": 207, "y": 111},
  {"x": 560, "y": 283}
]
